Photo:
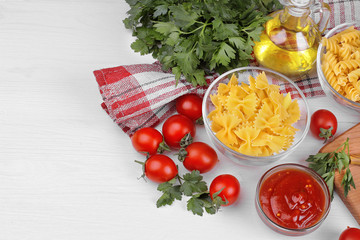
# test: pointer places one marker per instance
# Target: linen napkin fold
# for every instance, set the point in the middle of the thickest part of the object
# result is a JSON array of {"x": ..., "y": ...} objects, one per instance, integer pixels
[{"x": 142, "y": 95}]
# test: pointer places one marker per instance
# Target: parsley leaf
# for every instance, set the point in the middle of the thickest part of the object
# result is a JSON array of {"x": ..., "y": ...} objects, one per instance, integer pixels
[
  {"x": 193, "y": 183},
  {"x": 222, "y": 56},
  {"x": 223, "y": 31},
  {"x": 195, "y": 205},
  {"x": 255, "y": 34},
  {"x": 166, "y": 27},
  {"x": 170, "y": 193},
  {"x": 183, "y": 17},
  {"x": 200, "y": 202},
  {"x": 140, "y": 46},
  {"x": 160, "y": 10},
  {"x": 325, "y": 164}
]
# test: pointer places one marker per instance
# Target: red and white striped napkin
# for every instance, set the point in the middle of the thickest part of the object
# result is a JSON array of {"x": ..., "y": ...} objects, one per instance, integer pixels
[{"x": 142, "y": 95}]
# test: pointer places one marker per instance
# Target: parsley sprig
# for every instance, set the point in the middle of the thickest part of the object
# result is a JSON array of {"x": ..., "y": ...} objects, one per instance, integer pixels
[
  {"x": 325, "y": 164},
  {"x": 194, "y": 37},
  {"x": 192, "y": 186}
]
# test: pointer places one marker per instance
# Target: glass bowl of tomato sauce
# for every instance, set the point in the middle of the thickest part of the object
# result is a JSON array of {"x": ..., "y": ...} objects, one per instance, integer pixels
[{"x": 292, "y": 199}]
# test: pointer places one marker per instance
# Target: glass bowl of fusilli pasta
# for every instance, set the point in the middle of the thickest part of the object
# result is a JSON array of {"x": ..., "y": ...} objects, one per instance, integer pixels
[
  {"x": 338, "y": 65},
  {"x": 255, "y": 116}
]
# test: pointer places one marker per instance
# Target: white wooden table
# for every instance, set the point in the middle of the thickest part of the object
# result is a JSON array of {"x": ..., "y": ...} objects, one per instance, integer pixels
[{"x": 66, "y": 170}]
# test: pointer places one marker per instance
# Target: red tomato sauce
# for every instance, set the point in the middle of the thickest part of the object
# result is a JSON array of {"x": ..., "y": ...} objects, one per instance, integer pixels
[{"x": 292, "y": 198}]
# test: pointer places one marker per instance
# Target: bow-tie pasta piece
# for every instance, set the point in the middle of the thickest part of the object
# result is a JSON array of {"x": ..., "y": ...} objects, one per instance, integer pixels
[
  {"x": 248, "y": 134},
  {"x": 274, "y": 143},
  {"x": 225, "y": 124}
]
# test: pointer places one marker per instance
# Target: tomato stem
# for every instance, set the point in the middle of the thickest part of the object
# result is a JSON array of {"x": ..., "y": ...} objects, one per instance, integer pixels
[
  {"x": 326, "y": 133},
  {"x": 143, "y": 169},
  {"x": 346, "y": 144},
  {"x": 179, "y": 178},
  {"x": 182, "y": 154},
  {"x": 186, "y": 140},
  {"x": 163, "y": 147},
  {"x": 200, "y": 121},
  {"x": 139, "y": 162}
]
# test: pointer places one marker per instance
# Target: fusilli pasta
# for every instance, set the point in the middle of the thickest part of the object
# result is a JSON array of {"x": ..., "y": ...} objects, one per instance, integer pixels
[{"x": 341, "y": 62}]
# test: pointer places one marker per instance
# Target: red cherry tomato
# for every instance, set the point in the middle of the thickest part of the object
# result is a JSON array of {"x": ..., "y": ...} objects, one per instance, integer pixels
[
  {"x": 190, "y": 105},
  {"x": 199, "y": 156},
  {"x": 350, "y": 234},
  {"x": 323, "y": 124},
  {"x": 160, "y": 168},
  {"x": 230, "y": 188},
  {"x": 175, "y": 128},
  {"x": 148, "y": 141}
]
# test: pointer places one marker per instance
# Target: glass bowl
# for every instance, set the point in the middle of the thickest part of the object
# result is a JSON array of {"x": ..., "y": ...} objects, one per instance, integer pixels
[
  {"x": 328, "y": 89},
  {"x": 301, "y": 189},
  {"x": 286, "y": 85}
]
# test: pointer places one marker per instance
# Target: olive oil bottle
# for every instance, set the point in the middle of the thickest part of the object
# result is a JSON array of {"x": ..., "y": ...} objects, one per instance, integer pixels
[{"x": 291, "y": 37}]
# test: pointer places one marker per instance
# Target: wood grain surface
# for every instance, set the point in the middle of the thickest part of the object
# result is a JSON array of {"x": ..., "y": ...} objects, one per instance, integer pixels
[{"x": 353, "y": 198}]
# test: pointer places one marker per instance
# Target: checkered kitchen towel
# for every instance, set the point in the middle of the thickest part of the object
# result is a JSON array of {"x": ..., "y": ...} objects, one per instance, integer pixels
[{"x": 142, "y": 95}]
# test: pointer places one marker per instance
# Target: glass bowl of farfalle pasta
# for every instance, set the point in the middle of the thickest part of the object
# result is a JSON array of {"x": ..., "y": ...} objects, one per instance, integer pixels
[
  {"x": 338, "y": 65},
  {"x": 255, "y": 116}
]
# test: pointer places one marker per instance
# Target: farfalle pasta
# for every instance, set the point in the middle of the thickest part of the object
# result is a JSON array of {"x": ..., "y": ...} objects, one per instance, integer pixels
[
  {"x": 254, "y": 119},
  {"x": 341, "y": 62}
]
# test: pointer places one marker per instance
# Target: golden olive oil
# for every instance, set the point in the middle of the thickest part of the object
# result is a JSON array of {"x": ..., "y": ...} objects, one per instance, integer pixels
[{"x": 288, "y": 44}]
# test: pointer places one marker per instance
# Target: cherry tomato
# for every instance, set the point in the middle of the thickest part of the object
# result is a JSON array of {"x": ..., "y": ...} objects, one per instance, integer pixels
[
  {"x": 199, "y": 156},
  {"x": 190, "y": 105},
  {"x": 148, "y": 141},
  {"x": 350, "y": 234},
  {"x": 160, "y": 168},
  {"x": 230, "y": 188},
  {"x": 323, "y": 124},
  {"x": 177, "y": 127}
]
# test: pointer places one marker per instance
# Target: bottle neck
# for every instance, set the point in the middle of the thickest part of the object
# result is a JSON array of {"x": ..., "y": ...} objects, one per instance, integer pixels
[
  {"x": 297, "y": 12},
  {"x": 294, "y": 17}
]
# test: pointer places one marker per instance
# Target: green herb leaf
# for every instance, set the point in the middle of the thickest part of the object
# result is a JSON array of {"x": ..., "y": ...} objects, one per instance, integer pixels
[
  {"x": 170, "y": 193},
  {"x": 195, "y": 205},
  {"x": 200, "y": 202},
  {"x": 166, "y": 27},
  {"x": 160, "y": 10},
  {"x": 224, "y": 31},
  {"x": 325, "y": 164},
  {"x": 347, "y": 182},
  {"x": 223, "y": 55},
  {"x": 186, "y": 61},
  {"x": 140, "y": 46},
  {"x": 182, "y": 17},
  {"x": 255, "y": 34},
  {"x": 193, "y": 183},
  {"x": 238, "y": 42}
]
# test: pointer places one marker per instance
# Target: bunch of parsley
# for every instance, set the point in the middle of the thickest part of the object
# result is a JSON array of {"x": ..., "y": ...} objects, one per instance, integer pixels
[
  {"x": 192, "y": 186},
  {"x": 196, "y": 37}
]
